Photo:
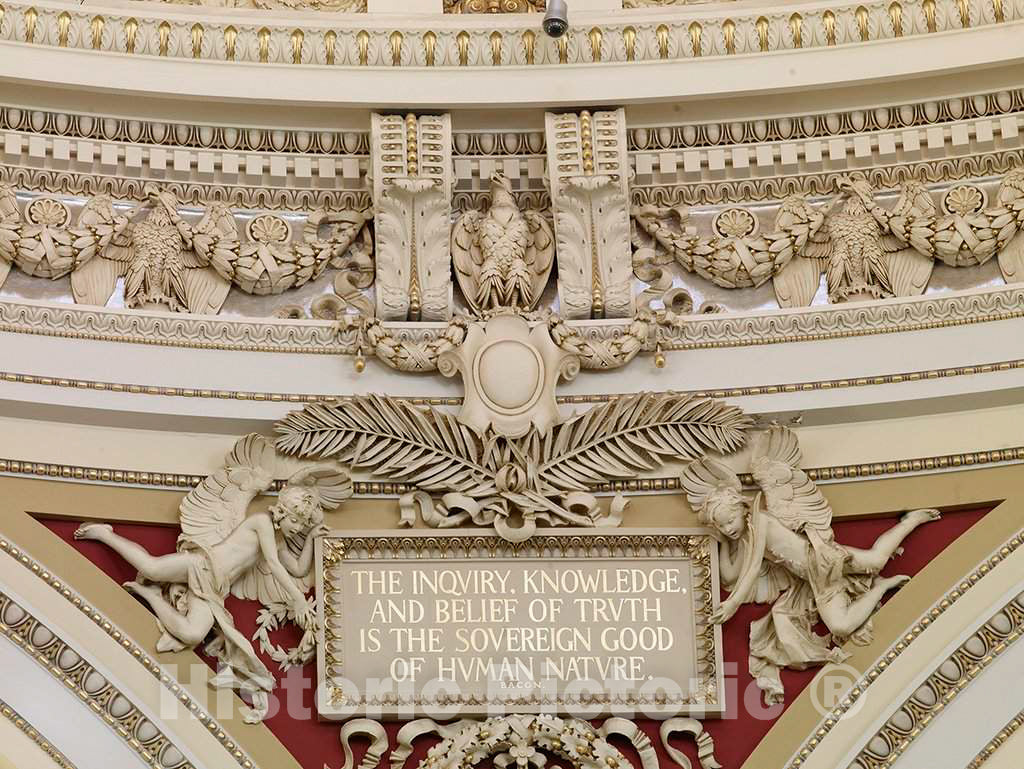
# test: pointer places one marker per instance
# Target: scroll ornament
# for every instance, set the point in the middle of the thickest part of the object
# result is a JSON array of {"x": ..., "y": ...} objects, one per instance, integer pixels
[
  {"x": 223, "y": 548},
  {"x": 779, "y": 548},
  {"x": 165, "y": 261},
  {"x": 522, "y": 740},
  {"x": 399, "y": 347},
  {"x": 509, "y": 456}
]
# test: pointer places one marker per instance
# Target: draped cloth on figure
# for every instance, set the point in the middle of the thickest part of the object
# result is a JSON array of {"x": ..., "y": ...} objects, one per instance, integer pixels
[
  {"x": 245, "y": 670},
  {"x": 785, "y": 637}
]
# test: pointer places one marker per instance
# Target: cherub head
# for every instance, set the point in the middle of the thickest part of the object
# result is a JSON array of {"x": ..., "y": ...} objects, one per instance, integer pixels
[
  {"x": 725, "y": 509},
  {"x": 297, "y": 510}
]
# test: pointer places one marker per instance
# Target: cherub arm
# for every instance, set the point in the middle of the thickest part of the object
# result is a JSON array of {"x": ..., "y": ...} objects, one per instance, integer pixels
[
  {"x": 299, "y": 566},
  {"x": 750, "y": 566},
  {"x": 729, "y": 562},
  {"x": 268, "y": 547}
]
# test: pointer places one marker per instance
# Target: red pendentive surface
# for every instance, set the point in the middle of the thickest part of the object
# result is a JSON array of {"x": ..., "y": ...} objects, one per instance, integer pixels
[{"x": 315, "y": 743}]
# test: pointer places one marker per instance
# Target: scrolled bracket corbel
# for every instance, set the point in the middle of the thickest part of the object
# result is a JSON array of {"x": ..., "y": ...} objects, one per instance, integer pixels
[
  {"x": 413, "y": 181},
  {"x": 705, "y": 744},
  {"x": 588, "y": 173}
]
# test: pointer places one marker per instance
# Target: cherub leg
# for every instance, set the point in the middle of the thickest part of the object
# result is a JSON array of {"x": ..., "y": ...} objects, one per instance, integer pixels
[
  {"x": 164, "y": 568},
  {"x": 873, "y": 561},
  {"x": 189, "y": 628},
  {"x": 844, "y": 617}
]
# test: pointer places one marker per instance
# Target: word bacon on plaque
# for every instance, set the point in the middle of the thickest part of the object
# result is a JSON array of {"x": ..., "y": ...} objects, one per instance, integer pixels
[{"x": 578, "y": 622}]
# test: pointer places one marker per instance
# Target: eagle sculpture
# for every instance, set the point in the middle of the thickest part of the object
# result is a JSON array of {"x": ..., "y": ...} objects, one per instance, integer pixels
[{"x": 502, "y": 257}]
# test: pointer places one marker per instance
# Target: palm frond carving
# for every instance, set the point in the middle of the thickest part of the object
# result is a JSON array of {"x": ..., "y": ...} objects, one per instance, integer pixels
[
  {"x": 424, "y": 447},
  {"x": 634, "y": 434}
]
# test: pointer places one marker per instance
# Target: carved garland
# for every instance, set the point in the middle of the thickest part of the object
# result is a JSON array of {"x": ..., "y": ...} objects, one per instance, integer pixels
[{"x": 166, "y": 261}]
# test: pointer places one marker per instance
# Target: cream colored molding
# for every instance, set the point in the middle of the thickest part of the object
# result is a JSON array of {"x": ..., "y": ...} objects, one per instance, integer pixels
[
  {"x": 372, "y": 41},
  {"x": 22, "y": 725},
  {"x": 996, "y": 743},
  {"x": 589, "y": 181},
  {"x": 672, "y": 163},
  {"x": 947, "y": 680},
  {"x": 690, "y": 332},
  {"x": 50, "y": 651},
  {"x": 412, "y": 192},
  {"x": 964, "y": 117},
  {"x": 736, "y": 392}
]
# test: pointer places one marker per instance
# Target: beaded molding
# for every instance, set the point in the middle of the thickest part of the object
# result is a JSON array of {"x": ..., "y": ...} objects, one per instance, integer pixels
[
  {"x": 900, "y": 646},
  {"x": 693, "y": 332},
  {"x": 140, "y": 654},
  {"x": 22, "y": 725}
]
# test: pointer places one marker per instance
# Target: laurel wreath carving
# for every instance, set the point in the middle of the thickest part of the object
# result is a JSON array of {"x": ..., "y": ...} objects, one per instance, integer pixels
[{"x": 431, "y": 450}]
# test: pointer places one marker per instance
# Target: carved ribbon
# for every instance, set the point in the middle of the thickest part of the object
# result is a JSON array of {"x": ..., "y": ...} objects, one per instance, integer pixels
[
  {"x": 378, "y": 742},
  {"x": 705, "y": 745},
  {"x": 578, "y": 507}
]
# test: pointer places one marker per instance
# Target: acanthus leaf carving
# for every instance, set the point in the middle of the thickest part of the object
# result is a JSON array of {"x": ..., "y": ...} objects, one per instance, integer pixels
[
  {"x": 413, "y": 180},
  {"x": 588, "y": 174}
]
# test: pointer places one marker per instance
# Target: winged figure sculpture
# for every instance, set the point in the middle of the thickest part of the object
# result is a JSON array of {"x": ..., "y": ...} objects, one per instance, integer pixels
[
  {"x": 779, "y": 548},
  {"x": 224, "y": 549}
]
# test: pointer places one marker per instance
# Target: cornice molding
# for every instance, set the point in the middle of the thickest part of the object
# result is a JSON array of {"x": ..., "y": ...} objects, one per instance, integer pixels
[
  {"x": 488, "y": 41},
  {"x": 59, "y": 657},
  {"x": 303, "y": 398},
  {"x": 862, "y": 471},
  {"x": 22, "y": 725},
  {"x": 997, "y": 742},
  {"x": 694, "y": 332},
  {"x": 947, "y": 680},
  {"x": 20, "y": 627}
]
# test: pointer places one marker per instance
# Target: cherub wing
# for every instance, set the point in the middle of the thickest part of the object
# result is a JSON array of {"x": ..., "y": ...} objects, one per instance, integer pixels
[
  {"x": 100, "y": 233},
  {"x": 203, "y": 287},
  {"x": 10, "y": 230},
  {"x": 909, "y": 270},
  {"x": 216, "y": 507},
  {"x": 540, "y": 253},
  {"x": 332, "y": 484},
  {"x": 467, "y": 255},
  {"x": 702, "y": 476},
  {"x": 797, "y": 282},
  {"x": 790, "y": 495}
]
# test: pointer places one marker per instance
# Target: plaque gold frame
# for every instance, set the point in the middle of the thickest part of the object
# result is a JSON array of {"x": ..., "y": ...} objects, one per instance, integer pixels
[{"x": 695, "y": 545}]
